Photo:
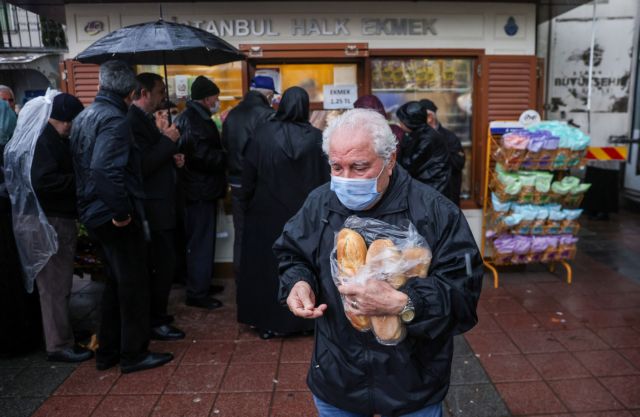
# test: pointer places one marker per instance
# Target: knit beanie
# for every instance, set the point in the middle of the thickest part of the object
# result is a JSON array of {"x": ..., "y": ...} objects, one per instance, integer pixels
[
  {"x": 65, "y": 107},
  {"x": 203, "y": 87}
]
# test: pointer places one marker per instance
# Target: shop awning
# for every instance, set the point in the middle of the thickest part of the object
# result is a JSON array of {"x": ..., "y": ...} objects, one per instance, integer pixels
[{"x": 54, "y": 9}]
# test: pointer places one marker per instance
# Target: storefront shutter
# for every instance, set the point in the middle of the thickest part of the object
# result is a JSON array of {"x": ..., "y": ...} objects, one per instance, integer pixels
[
  {"x": 81, "y": 80},
  {"x": 509, "y": 87}
]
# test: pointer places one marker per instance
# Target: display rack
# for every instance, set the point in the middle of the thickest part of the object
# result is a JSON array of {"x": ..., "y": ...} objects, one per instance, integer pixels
[{"x": 556, "y": 163}]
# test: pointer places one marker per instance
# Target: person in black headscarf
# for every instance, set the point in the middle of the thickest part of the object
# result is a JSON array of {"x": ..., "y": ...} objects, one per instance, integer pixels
[
  {"x": 282, "y": 165},
  {"x": 424, "y": 152}
]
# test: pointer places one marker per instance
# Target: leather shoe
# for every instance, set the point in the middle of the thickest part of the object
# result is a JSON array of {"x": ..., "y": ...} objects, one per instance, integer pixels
[
  {"x": 208, "y": 303},
  {"x": 71, "y": 354},
  {"x": 151, "y": 360},
  {"x": 216, "y": 289},
  {"x": 166, "y": 332}
]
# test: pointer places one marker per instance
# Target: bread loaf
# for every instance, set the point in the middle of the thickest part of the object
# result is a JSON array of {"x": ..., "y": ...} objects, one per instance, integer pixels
[
  {"x": 351, "y": 255},
  {"x": 388, "y": 329},
  {"x": 420, "y": 258},
  {"x": 383, "y": 256},
  {"x": 351, "y": 252}
]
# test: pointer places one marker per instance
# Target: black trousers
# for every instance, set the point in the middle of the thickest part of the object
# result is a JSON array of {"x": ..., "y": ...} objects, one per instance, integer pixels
[
  {"x": 238, "y": 227},
  {"x": 200, "y": 229},
  {"x": 124, "y": 327},
  {"x": 162, "y": 265}
]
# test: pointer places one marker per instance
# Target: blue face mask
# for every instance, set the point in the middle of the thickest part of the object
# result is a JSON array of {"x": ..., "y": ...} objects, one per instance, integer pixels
[{"x": 355, "y": 193}]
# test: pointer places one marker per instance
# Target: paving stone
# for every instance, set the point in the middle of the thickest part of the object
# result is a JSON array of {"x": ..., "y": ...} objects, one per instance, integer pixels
[
  {"x": 19, "y": 407},
  {"x": 480, "y": 400},
  {"x": 467, "y": 370},
  {"x": 461, "y": 347},
  {"x": 33, "y": 382},
  {"x": 6, "y": 378}
]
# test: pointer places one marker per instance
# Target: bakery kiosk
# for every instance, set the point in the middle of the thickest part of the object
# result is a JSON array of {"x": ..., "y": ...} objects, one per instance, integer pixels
[{"x": 475, "y": 60}]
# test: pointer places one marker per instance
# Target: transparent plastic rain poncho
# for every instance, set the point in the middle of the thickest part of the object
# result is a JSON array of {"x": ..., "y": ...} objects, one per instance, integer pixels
[{"x": 36, "y": 239}]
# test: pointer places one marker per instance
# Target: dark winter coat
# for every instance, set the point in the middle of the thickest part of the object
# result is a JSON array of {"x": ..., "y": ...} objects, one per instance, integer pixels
[
  {"x": 159, "y": 176},
  {"x": 106, "y": 162},
  {"x": 203, "y": 175},
  {"x": 239, "y": 127},
  {"x": 424, "y": 154},
  {"x": 282, "y": 165},
  {"x": 52, "y": 175},
  {"x": 350, "y": 369},
  {"x": 456, "y": 161}
]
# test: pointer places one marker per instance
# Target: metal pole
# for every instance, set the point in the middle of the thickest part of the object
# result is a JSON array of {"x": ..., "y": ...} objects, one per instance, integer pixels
[{"x": 593, "y": 43}]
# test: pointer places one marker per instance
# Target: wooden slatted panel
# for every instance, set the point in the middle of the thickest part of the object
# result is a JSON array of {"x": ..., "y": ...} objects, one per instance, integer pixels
[
  {"x": 511, "y": 86},
  {"x": 82, "y": 80}
]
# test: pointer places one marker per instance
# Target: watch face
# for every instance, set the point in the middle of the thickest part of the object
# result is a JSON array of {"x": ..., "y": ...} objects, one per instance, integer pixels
[{"x": 408, "y": 315}]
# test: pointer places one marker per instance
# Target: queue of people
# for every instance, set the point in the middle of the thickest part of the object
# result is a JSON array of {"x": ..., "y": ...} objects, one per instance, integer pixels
[{"x": 147, "y": 190}]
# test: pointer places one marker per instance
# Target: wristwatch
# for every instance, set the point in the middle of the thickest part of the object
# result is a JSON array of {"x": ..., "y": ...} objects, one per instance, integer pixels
[{"x": 408, "y": 313}]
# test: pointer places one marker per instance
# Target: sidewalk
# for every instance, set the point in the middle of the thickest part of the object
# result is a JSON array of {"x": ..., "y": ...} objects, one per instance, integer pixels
[{"x": 542, "y": 347}]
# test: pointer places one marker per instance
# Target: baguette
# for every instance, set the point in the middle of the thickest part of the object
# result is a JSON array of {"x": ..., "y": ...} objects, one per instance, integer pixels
[
  {"x": 351, "y": 255},
  {"x": 383, "y": 253},
  {"x": 388, "y": 329},
  {"x": 421, "y": 258}
]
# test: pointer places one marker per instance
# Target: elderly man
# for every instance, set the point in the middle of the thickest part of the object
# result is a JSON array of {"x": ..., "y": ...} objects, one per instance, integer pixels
[
  {"x": 351, "y": 374},
  {"x": 54, "y": 183},
  {"x": 6, "y": 94},
  {"x": 109, "y": 188},
  {"x": 203, "y": 182},
  {"x": 158, "y": 149},
  {"x": 456, "y": 153},
  {"x": 237, "y": 131}
]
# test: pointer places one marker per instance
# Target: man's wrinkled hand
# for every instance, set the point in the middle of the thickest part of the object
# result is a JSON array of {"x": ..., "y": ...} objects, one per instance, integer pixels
[
  {"x": 374, "y": 298},
  {"x": 302, "y": 301}
]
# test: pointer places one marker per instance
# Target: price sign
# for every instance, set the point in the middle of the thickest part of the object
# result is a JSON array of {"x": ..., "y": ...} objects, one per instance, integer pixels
[{"x": 340, "y": 96}]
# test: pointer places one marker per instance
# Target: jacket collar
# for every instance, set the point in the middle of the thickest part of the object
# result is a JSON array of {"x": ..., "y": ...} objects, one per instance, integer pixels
[
  {"x": 200, "y": 109},
  {"x": 393, "y": 200},
  {"x": 51, "y": 131},
  {"x": 112, "y": 98},
  {"x": 256, "y": 98}
]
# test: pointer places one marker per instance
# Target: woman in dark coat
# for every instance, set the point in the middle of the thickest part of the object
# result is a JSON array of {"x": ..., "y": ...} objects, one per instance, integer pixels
[{"x": 282, "y": 165}]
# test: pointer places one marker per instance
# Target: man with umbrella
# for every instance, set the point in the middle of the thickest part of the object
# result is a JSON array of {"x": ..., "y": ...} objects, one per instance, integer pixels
[
  {"x": 157, "y": 148},
  {"x": 109, "y": 189}
]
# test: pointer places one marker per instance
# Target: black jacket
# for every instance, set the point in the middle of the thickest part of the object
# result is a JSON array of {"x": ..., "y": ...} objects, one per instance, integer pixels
[
  {"x": 456, "y": 161},
  {"x": 350, "y": 369},
  {"x": 239, "y": 128},
  {"x": 52, "y": 175},
  {"x": 283, "y": 163},
  {"x": 159, "y": 176},
  {"x": 106, "y": 163},
  {"x": 203, "y": 176},
  {"x": 424, "y": 154}
]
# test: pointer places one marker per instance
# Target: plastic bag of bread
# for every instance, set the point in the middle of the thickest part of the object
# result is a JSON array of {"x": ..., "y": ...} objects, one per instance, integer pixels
[{"x": 372, "y": 249}]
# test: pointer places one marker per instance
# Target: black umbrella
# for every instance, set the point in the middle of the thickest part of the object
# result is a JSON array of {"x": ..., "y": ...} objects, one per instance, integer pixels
[{"x": 161, "y": 42}]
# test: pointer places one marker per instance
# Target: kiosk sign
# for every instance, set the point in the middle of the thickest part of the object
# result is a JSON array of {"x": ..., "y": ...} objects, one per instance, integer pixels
[{"x": 340, "y": 96}]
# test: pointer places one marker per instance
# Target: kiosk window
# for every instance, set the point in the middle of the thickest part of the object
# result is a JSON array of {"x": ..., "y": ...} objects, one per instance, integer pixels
[
  {"x": 448, "y": 82},
  {"x": 311, "y": 77}
]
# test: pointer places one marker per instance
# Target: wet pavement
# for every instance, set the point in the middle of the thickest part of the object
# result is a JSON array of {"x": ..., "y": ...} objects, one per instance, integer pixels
[{"x": 542, "y": 348}]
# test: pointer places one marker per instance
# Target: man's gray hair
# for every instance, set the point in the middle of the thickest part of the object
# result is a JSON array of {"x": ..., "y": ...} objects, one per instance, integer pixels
[
  {"x": 7, "y": 88},
  {"x": 383, "y": 140},
  {"x": 118, "y": 77}
]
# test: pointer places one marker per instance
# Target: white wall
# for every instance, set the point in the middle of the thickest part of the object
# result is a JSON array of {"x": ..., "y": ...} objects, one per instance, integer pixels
[
  {"x": 611, "y": 92},
  {"x": 456, "y": 25}
]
